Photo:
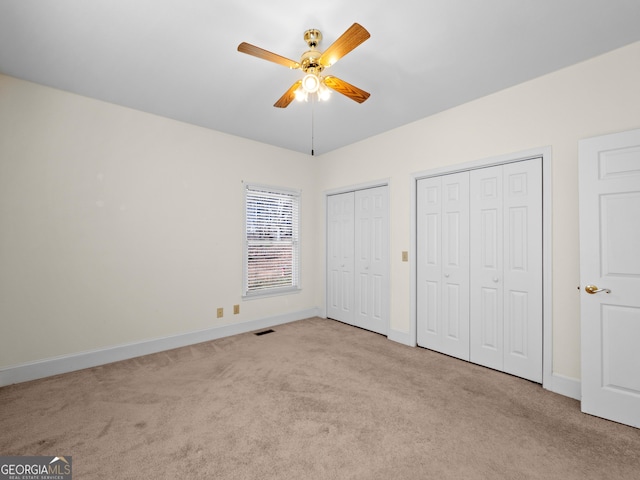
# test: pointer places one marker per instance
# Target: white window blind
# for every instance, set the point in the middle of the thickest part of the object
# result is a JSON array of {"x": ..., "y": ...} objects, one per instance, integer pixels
[{"x": 271, "y": 240}]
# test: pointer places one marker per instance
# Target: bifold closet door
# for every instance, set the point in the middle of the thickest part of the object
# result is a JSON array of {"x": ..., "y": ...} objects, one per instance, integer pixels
[
  {"x": 358, "y": 258},
  {"x": 372, "y": 259},
  {"x": 506, "y": 268},
  {"x": 443, "y": 264},
  {"x": 340, "y": 260}
]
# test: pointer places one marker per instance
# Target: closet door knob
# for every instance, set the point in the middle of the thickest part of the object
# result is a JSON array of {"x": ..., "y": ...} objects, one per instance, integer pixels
[
  {"x": 495, "y": 279},
  {"x": 446, "y": 275}
]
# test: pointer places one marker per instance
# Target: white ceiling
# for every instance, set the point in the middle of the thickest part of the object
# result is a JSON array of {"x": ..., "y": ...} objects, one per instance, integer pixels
[{"x": 178, "y": 58}]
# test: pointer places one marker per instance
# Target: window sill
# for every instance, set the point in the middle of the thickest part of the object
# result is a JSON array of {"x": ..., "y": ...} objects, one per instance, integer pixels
[{"x": 275, "y": 292}]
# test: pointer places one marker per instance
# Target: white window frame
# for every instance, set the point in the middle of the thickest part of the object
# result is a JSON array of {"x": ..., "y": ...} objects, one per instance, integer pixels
[{"x": 249, "y": 288}]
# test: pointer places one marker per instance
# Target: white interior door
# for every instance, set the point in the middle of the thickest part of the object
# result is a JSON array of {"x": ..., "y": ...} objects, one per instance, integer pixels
[
  {"x": 372, "y": 259},
  {"x": 340, "y": 259},
  {"x": 443, "y": 264},
  {"x": 609, "y": 182}
]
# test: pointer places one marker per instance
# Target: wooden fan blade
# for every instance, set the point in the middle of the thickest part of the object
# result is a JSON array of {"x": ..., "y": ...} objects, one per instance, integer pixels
[
  {"x": 288, "y": 96},
  {"x": 354, "y": 36},
  {"x": 249, "y": 49},
  {"x": 340, "y": 86}
]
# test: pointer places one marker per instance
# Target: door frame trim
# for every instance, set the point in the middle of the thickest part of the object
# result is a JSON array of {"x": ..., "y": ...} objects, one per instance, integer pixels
[{"x": 547, "y": 253}]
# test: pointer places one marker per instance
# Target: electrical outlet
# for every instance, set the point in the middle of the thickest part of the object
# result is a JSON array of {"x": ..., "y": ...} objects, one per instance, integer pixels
[
  {"x": 405, "y": 256},
  {"x": 220, "y": 312},
  {"x": 236, "y": 309}
]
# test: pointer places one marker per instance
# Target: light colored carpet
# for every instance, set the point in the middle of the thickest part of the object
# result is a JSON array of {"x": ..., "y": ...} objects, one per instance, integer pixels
[{"x": 316, "y": 399}]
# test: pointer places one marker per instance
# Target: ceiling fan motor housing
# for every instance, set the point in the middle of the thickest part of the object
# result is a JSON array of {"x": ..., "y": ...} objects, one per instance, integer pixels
[{"x": 309, "y": 62}]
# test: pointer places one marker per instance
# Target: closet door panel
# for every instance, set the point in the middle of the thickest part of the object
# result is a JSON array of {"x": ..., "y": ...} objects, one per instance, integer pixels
[
  {"x": 486, "y": 291},
  {"x": 455, "y": 264},
  {"x": 372, "y": 258},
  {"x": 340, "y": 259},
  {"x": 523, "y": 269},
  {"x": 429, "y": 262},
  {"x": 443, "y": 264}
]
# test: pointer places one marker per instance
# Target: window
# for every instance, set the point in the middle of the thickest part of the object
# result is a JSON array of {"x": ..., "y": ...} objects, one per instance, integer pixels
[{"x": 272, "y": 251}]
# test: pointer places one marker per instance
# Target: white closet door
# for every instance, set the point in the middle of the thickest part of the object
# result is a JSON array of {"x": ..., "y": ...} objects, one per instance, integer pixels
[
  {"x": 506, "y": 268},
  {"x": 443, "y": 264},
  {"x": 487, "y": 279},
  {"x": 523, "y": 269},
  {"x": 340, "y": 260},
  {"x": 429, "y": 263},
  {"x": 372, "y": 259}
]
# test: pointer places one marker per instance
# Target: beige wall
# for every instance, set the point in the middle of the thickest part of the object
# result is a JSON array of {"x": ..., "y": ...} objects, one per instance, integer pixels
[
  {"x": 595, "y": 97},
  {"x": 117, "y": 226}
]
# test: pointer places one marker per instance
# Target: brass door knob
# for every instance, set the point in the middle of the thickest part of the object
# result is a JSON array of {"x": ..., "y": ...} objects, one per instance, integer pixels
[{"x": 593, "y": 289}]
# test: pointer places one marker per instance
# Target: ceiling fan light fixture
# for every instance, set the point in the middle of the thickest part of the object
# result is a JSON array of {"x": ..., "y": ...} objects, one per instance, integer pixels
[
  {"x": 300, "y": 94},
  {"x": 323, "y": 92},
  {"x": 311, "y": 83}
]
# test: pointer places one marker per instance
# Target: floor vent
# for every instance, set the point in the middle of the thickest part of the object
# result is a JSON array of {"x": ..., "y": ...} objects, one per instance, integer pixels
[{"x": 264, "y": 332}]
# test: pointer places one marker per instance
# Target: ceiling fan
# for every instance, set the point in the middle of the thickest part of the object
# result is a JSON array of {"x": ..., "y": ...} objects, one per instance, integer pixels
[{"x": 313, "y": 63}]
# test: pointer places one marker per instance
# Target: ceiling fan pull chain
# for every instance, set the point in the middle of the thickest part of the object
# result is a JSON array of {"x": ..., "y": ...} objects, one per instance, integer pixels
[{"x": 313, "y": 103}]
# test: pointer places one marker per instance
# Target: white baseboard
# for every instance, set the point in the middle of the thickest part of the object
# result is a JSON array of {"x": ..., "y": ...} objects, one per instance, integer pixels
[
  {"x": 567, "y": 386},
  {"x": 69, "y": 363}
]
